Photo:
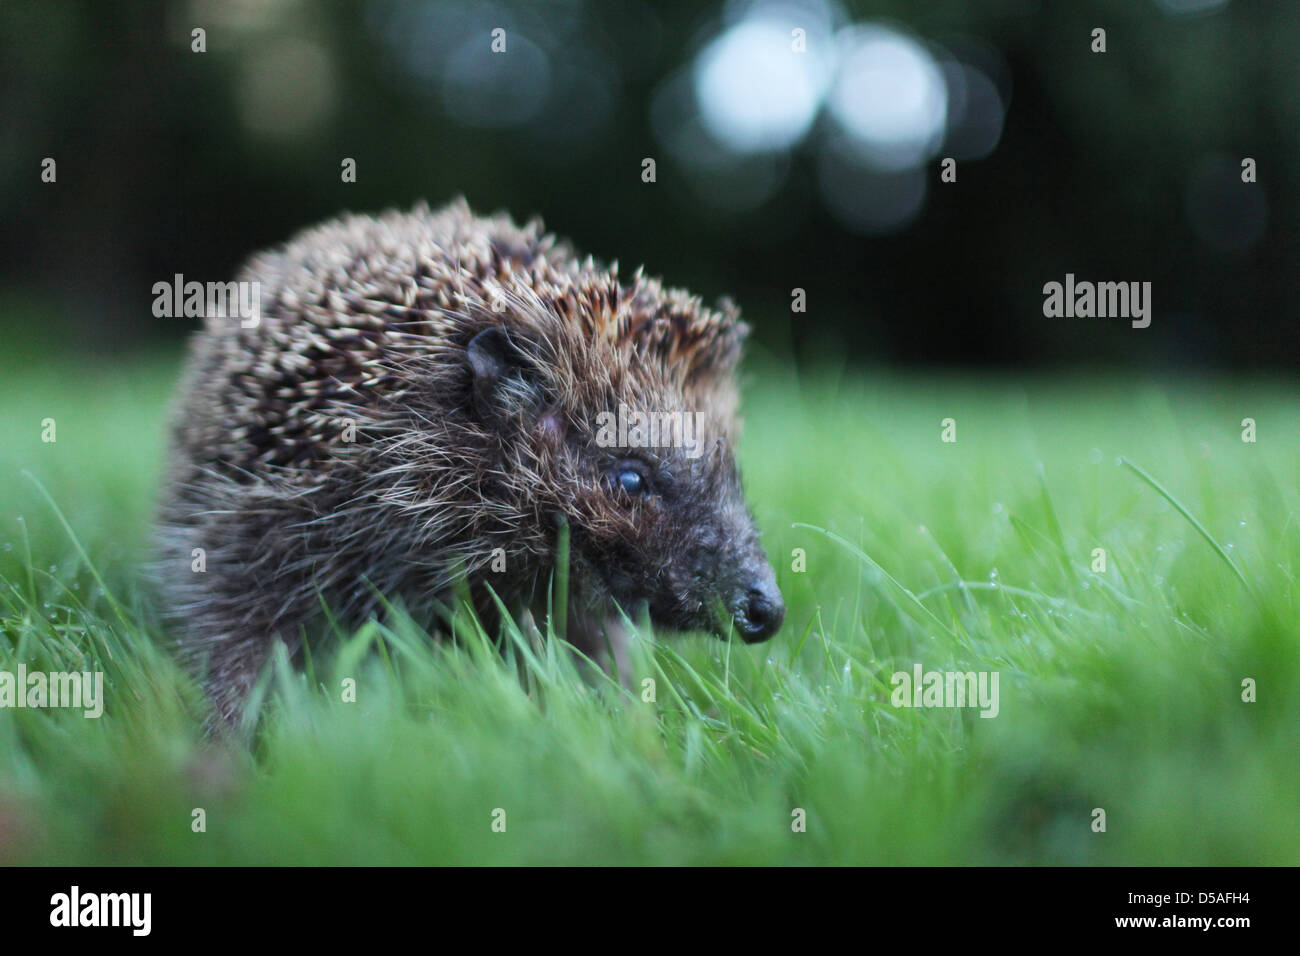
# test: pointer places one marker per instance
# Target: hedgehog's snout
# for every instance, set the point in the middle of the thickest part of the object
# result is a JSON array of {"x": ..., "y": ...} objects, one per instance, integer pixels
[
  {"x": 759, "y": 610},
  {"x": 764, "y": 612}
]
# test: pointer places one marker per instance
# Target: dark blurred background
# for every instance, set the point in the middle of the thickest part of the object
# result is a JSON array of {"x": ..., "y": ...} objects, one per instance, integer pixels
[{"x": 776, "y": 169}]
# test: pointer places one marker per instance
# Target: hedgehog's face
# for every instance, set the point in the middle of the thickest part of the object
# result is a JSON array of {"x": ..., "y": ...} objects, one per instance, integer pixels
[
  {"x": 652, "y": 495},
  {"x": 684, "y": 544}
]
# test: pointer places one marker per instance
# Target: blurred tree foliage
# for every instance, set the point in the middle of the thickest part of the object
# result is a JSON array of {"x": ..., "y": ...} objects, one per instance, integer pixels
[{"x": 172, "y": 161}]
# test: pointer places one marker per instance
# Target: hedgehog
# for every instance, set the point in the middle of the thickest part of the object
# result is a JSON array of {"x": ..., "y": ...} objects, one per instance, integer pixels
[{"x": 421, "y": 413}]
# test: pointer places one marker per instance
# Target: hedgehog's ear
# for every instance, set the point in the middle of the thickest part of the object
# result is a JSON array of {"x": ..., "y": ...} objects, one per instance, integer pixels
[{"x": 500, "y": 374}]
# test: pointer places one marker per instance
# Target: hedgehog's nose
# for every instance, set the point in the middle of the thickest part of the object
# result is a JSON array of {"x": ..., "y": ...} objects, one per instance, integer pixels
[{"x": 763, "y": 615}]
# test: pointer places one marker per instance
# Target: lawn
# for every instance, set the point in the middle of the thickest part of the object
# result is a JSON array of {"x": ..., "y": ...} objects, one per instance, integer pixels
[{"x": 1120, "y": 689}]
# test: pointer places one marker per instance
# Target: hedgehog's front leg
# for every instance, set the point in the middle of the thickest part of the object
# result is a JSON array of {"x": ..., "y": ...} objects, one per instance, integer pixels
[{"x": 606, "y": 639}]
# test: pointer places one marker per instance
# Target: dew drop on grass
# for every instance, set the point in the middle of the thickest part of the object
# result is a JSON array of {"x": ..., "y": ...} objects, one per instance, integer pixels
[
  {"x": 9, "y": 545},
  {"x": 1095, "y": 456}
]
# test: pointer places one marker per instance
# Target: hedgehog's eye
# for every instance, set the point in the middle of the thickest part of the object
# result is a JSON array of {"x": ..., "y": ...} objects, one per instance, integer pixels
[
  {"x": 631, "y": 477},
  {"x": 631, "y": 481}
]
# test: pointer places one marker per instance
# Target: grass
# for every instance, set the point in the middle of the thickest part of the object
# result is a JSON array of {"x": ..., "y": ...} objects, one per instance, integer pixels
[{"x": 1119, "y": 689}]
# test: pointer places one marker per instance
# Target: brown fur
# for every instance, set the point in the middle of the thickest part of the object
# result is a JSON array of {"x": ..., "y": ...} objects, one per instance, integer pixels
[{"x": 369, "y": 321}]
